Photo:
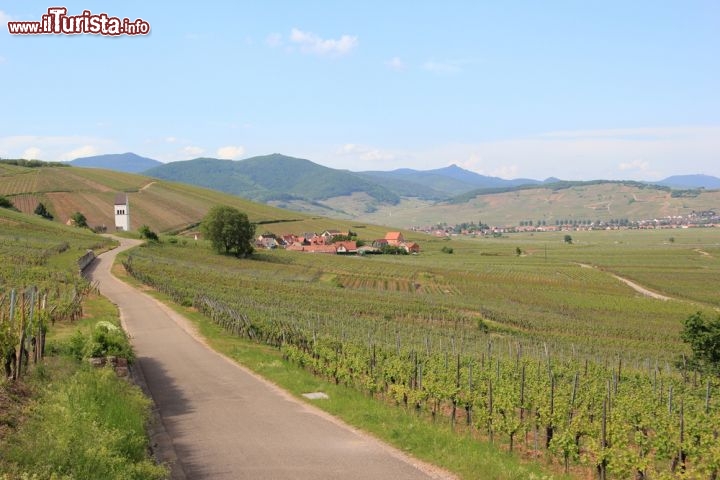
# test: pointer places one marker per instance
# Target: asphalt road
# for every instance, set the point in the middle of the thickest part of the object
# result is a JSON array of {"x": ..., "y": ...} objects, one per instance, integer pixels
[{"x": 223, "y": 422}]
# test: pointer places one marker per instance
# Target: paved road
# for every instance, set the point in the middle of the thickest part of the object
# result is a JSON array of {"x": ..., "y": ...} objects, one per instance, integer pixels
[{"x": 226, "y": 423}]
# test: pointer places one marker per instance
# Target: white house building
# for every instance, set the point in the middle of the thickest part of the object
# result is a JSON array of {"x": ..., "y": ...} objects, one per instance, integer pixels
[{"x": 122, "y": 212}]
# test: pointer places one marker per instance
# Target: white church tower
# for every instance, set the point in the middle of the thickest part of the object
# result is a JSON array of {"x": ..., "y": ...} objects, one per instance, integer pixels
[{"x": 122, "y": 212}]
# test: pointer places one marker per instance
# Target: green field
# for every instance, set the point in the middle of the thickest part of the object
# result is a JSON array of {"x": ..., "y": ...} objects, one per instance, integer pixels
[
  {"x": 469, "y": 331},
  {"x": 589, "y": 202},
  {"x": 531, "y": 341}
]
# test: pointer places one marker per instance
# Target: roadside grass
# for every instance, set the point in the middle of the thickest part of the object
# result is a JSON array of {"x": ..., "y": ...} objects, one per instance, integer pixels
[
  {"x": 66, "y": 419},
  {"x": 435, "y": 443},
  {"x": 85, "y": 424}
]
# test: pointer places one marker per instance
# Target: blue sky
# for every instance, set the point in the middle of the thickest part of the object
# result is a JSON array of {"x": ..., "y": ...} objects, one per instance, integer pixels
[{"x": 576, "y": 90}]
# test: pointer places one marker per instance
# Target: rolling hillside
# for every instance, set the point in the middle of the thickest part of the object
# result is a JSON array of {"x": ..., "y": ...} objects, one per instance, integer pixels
[
  {"x": 160, "y": 204},
  {"x": 574, "y": 200},
  {"x": 165, "y": 205},
  {"x": 272, "y": 178}
]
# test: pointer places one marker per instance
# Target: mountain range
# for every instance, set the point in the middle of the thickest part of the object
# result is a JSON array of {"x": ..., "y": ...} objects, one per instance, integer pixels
[
  {"x": 302, "y": 185},
  {"x": 120, "y": 162}
]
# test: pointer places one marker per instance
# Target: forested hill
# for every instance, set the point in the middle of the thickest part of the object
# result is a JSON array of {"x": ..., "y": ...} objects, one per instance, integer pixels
[{"x": 272, "y": 177}]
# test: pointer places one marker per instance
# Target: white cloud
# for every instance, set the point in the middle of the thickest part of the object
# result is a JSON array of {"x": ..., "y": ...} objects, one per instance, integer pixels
[
  {"x": 312, "y": 43},
  {"x": 365, "y": 153},
  {"x": 395, "y": 64},
  {"x": 84, "y": 151},
  {"x": 639, "y": 165},
  {"x": 646, "y": 153},
  {"x": 627, "y": 154},
  {"x": 32, "y": 153},
  {"x": 4, "y": 18},
  {"x": 274, "y": 40},
  {"x": 506, "y": 171},
  {"x": 192, "y": 151},
  {"x": 170, "y": 139},
  {"x": 230, "y": 152},
  {"x": 54, "y": 148}
]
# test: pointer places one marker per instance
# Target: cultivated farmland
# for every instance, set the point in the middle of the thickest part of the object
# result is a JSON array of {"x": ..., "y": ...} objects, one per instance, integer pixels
[{"x": 533, "y": 350}]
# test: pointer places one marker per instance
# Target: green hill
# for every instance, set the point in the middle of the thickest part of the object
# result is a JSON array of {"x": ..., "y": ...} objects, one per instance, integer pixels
[
  {"x": 599, "y": 200},
  {"x": 121, "y": 162},
  {"x": 160, "y": 204},
  {"x": 272, "y": 178}
]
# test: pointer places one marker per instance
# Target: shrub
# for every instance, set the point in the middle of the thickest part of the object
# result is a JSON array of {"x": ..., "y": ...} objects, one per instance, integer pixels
[
  {"x": 108, "y": 340},
  {"x": 6, "y": 203},
  {"x": 43, "y": 211},
  {"x": 148, "y": 234},
  {"x": 105, "y": 340},
  {"x": 447, "y": 249}
]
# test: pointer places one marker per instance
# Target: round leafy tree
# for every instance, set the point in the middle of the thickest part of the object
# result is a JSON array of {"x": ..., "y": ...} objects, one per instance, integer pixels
[{"x": 229, "y": 230}]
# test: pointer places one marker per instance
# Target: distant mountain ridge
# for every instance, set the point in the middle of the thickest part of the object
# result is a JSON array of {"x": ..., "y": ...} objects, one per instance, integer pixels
[
  {"x": 302, "y": 185},
  {"x": 691, "y": 181},
  {"x": 452, "y": 180},
  {"x": 272, "y": 178},
  {"x": 120, "y": 162}
]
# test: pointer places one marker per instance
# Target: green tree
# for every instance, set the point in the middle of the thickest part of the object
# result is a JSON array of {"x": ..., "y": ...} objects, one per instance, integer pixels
[
  {"x": 6, "y": 203},
  {"x": 148, "y": 234},
  {"x": 43, "y": 211},
  {"x": 568, "y": 239},
  {"x": 703, "y": 336},
  {"x": 229, "y": 230},
  {"x": 79, "y": 219}
]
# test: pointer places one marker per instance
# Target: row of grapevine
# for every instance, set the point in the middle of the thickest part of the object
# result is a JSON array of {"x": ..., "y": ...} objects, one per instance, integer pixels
[
  {"x": 24, "y": 320},
  {"x": 645, "y": 421}
]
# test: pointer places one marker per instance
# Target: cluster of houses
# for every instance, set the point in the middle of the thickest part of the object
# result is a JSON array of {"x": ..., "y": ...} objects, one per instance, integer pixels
[
  {"x": 328, "y": 242},
  {"x": 699, "y": 219}
]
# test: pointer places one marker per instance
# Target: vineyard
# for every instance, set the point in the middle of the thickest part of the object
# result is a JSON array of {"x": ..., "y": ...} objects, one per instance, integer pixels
[
  {"x": 39, "y": 284},
  {"x": 532, "y": 352}
]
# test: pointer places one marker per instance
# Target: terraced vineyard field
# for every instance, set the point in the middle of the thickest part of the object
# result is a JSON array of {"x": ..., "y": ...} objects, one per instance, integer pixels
[
  {"x": 160, "y": 204},
  {"x": 532, "y": 349}
]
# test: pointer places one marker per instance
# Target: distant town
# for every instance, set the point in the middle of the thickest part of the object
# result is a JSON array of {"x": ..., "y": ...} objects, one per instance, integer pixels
[{"x": 701, "y": 219}]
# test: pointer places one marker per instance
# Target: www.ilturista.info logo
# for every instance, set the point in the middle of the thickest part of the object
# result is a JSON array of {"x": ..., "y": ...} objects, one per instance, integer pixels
[{"x": 58, "y": 22}]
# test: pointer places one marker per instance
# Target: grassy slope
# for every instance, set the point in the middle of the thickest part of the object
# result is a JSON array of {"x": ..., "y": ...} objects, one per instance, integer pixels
[
  {"x": 162, "y": 205},
  {"x": 591, "y": 202}
]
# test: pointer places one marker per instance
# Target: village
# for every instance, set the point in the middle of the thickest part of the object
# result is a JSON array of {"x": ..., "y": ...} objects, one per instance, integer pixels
[
  {"x": 701, "y": 219},
  {"x": 336, "y": 242}
]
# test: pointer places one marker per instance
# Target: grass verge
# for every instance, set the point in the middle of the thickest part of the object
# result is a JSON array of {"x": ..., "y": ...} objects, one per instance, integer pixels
[
  {"x": 435, "y": 443},
  {"x": 67, "y": 420}
]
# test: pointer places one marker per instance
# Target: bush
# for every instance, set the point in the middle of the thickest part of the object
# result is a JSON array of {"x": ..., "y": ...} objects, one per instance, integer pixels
[
  {"x": 43, "y": 211},
  {"x": 447, "y": 249},
  {"x": 79, "y": 220},
  {"x": 148, "y": 234},
  {"x": 6, "y": 203},
  {"x": 106, "y": 340}
]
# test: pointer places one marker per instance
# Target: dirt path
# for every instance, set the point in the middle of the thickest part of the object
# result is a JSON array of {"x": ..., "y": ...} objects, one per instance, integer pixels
[
  {"x": 638, "y": 288},
  {"x": 223, "y": 422}
]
